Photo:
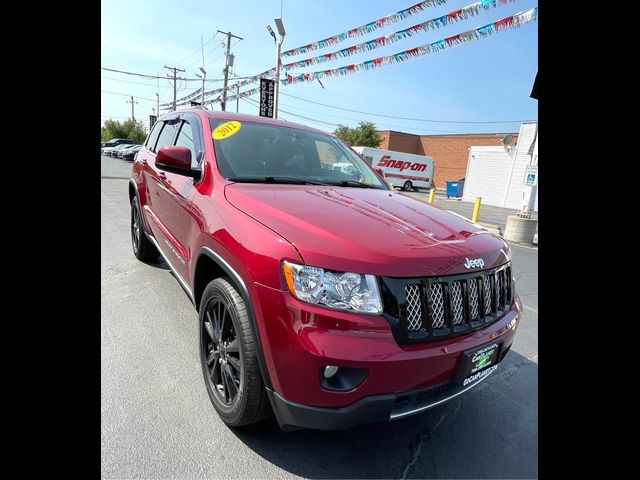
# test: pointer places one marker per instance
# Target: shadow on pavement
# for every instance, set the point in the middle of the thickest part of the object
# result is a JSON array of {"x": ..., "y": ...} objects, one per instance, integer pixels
[{"x": 491, "y": 431}]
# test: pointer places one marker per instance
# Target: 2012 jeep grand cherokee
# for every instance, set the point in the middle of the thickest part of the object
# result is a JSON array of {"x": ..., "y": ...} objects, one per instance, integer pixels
[{"x": 323, "y": 295}]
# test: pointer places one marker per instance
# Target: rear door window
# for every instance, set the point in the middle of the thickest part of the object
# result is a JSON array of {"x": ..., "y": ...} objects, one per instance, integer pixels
[
  {"x": 153, "y": 137},
  {"x": 185, "y": 139},
  {"x": 166, "y": 135}
]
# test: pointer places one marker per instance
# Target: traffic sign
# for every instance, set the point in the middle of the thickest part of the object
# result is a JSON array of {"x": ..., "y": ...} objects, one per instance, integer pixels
[{"x": 531, "y": 175}]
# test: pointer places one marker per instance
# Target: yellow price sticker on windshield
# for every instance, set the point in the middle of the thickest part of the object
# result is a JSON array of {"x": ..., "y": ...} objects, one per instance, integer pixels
[{"x": 226, "y": 129}]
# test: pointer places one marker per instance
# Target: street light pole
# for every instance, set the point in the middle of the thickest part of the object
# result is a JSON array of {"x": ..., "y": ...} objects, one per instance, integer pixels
[
  {"x": 203, "y": 76},
  {"x": 282, "y": 32}
]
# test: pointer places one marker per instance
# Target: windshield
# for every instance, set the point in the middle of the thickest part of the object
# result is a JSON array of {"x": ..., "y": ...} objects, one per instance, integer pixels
[{"x": 255, "y": 152}]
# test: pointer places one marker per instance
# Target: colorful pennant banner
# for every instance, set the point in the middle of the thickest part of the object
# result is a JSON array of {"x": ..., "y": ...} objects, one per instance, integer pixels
[
  {"x": 209, "y": 93},
  {"x": 433, "y": 24},
  {"x": 471, "y": 35},
  {"x": 367, "y": 28},
  {"x": 514, "y": 21}
]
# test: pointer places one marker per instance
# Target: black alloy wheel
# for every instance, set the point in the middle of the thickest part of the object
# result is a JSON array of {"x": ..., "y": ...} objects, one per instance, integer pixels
[
  {"x": 229, "y": 356},
  {"x": 223, "y": 356}
]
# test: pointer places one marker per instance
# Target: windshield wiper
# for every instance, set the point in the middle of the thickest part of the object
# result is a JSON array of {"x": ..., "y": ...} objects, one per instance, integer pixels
[
  {"x": 353, "y": 183},
  {"x": 277, "y": 179}
]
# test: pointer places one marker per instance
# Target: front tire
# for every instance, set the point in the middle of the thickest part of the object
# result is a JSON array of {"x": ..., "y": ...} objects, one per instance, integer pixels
[
  {"x": 143, "y": 249},
  {"x": 229, "y": 357}
]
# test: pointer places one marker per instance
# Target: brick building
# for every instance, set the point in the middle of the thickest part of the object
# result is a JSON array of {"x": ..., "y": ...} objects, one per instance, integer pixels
[{"x": 450, "y": 152}]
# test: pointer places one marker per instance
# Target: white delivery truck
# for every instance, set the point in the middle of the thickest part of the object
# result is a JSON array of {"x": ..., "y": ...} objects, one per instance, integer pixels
[{"x": 404, "y": 170}]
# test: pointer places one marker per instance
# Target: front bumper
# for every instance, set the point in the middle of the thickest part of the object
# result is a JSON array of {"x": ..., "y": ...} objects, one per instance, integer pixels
[
  {"x": 298, "y": 340},
  {"x": 371, "y": 409}
]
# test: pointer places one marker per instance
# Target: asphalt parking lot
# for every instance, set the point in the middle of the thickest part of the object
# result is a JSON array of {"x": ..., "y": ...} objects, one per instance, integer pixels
[
  {"x": 490, "y": 215},
  {"x": 157, "y": 421}
]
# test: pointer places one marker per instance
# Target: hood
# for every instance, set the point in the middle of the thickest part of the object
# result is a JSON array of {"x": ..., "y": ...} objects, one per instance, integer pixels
[{"x": 368, "y": 230}]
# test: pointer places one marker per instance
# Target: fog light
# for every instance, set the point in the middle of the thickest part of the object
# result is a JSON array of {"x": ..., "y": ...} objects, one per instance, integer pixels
[
  {"x": 330, "y": 371},
  {"x": 341, "y": 378}
]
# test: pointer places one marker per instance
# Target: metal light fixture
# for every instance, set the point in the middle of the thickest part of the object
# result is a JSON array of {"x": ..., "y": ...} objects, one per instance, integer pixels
[
  {"x": 280, "y": 27},
  {"x": 272, "y": 33}
]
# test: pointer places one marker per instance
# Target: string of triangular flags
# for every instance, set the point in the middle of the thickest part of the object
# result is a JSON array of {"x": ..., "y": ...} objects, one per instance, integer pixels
[
  {"x": 377, "y": 24},
  {"x": 513, "y": 21},
  {"x": 432, "y": 24}
]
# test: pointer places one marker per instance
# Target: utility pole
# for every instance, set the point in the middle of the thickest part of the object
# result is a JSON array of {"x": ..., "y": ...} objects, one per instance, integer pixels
[
  {"x": 237, "y": 97},
  {"x": 158, "y": 96},
  {"x": 175, "y": 83},
  {"x": 133, "y": 116},
  {"x": 228, "y": 62}
]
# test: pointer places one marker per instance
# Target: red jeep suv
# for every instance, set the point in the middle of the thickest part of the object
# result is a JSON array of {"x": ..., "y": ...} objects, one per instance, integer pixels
[{"x": 323, "y": 296}]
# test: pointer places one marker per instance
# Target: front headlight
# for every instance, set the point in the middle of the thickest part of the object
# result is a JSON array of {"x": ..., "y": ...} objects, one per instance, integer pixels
[{"x": 344, "y": 291}]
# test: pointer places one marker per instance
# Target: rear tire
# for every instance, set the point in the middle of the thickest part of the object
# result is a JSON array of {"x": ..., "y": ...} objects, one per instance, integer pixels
[
  {"x": 408, "y": 186},
  {"x": 229, "y": 356},
  {"x": 143, "y": 249}
]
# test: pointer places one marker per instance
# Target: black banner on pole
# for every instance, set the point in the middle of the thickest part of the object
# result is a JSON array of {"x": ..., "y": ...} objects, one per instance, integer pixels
[
  {"x": 267, "y": 87},
  {"x": 152, "y": 120}
]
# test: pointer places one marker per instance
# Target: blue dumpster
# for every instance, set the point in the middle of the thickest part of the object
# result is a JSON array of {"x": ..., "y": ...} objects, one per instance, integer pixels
[{"x": 454, "y": 189}]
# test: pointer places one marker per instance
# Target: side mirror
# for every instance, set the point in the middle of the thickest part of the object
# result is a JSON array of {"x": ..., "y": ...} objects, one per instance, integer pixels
[{"x": 176, "y": 160}]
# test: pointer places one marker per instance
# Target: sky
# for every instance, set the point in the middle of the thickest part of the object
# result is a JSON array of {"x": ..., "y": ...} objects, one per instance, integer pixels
[{"x": 489, "y": 80}]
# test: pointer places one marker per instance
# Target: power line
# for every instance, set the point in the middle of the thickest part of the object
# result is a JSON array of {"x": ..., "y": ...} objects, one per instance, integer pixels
[
  {"x": 405, "y": 118},
  {"x": 295, "y": 107},
  {"x": 255, "y": 103},
  {"x": 197, "y": 62},
  {"x": 191, "y": 55},
  {"x": 175, "y": 71},
  {"x": 153, "y": 77},
  {"x": 401, "y": 118},
  {"x": 126, "y": 95},
  {"x": 128, "y": 81}
]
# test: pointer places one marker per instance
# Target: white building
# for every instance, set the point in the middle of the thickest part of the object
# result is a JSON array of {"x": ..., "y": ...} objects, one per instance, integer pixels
[{"x": 497, "y": 173}]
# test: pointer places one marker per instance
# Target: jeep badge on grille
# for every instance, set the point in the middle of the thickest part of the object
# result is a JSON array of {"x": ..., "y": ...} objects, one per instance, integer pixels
[{"x": 478, "y": 262}]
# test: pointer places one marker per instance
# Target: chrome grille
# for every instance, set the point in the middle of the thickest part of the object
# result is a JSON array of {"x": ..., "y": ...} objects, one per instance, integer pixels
[
  {"x": 465, "y": 302},
  {"x": 457, "y": 310},
  {"x": 436, "y": 305},
  {"x": 472, "y": 287},
  {"x": 414, "y": 309}
]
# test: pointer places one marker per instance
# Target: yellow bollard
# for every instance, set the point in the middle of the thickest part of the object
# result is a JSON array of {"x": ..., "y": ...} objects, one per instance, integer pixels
[
  {"x": 432, "y": 194},
  {"x": 476, "y": 210},
  {"x": 392, "y": 186}
]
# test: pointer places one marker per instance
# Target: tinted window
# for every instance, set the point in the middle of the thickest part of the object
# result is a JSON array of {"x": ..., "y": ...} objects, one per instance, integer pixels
[
  {"x": 185, "y": 139},
  {"x": 256, "y": 151},
  {"x": 153, "y": 136},
  {"x": 166, "y": 136}
]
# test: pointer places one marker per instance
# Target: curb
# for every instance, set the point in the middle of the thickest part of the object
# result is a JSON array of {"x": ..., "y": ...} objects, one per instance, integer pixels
[{"x": 493, "y": 228}]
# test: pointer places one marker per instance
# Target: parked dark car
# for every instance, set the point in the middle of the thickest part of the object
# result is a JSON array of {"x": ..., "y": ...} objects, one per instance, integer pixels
[
  {"x": 129, "y": 153},
  {"x": 114, "y": 142},
  {"x": 114, "y": 151}
]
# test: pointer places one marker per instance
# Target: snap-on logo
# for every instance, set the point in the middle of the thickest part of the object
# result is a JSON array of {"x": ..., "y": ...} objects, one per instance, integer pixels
[
  {"x": 478, "y": 262},
  {"x": 387, "y": 161}
]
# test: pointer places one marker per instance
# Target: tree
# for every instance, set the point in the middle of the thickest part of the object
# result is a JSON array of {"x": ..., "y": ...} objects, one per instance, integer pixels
[
  {"x": 364, "y": 135},
  {"x": 127, "y": 129}
]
